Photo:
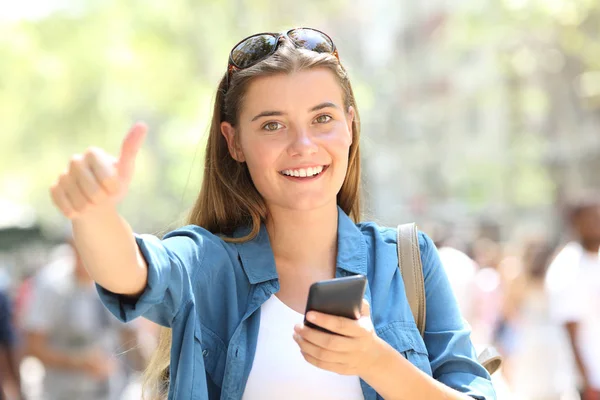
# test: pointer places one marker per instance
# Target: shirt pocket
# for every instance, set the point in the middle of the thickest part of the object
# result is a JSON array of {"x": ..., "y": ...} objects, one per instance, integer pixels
[
  {"x": 406, "y": 339},
  {"x": 210, "y": 349}
]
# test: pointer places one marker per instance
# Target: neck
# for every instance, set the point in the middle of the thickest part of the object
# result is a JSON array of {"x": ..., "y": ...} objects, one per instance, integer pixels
[{"x": 306, "y": 239}]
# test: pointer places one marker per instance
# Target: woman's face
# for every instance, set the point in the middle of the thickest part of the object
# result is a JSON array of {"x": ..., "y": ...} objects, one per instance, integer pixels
[{"x": 295, "y": 136}]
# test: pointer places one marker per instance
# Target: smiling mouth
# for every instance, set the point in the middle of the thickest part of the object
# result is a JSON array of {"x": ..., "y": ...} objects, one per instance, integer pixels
[{"x": 305, "y": 173}]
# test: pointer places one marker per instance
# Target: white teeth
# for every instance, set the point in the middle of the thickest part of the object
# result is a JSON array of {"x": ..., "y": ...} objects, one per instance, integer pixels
[{"x": 302, "y": 172}]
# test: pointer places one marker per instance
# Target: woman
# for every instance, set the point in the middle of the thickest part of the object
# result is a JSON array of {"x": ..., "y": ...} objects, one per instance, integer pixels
[{"x": 276, "y": 212}]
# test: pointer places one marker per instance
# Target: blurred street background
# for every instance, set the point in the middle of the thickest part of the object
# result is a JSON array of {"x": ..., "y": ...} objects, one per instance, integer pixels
[{"x": 480, "y": 122}]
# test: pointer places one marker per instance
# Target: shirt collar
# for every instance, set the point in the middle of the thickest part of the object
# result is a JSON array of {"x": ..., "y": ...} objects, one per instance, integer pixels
[
  {"x": 352, "y": 249},
  {"x": 258, "y": 261},
  {"x": 256, "y": 255}
]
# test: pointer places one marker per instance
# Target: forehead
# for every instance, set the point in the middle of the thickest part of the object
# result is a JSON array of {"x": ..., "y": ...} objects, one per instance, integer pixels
[{"x": 295, "y": 92}]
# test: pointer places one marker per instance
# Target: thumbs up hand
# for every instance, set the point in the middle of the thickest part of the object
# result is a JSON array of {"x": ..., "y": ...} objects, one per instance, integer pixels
[{"x": 95, "y": 179}]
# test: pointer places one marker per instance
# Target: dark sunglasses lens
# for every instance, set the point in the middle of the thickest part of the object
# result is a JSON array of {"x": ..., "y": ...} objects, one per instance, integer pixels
[
  {"x": 312, "y": 40},
  {"x": 252, "y": 50}
]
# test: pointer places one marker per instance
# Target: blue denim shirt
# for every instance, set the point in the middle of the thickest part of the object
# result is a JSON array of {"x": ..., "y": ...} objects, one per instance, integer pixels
[{"x": 210, "y": 293}]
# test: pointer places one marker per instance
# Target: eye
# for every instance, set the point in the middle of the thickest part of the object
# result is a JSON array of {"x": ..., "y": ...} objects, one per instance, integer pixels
[
  {"x": 323, "y": 119},
  {"x": 272, "y": 126}
]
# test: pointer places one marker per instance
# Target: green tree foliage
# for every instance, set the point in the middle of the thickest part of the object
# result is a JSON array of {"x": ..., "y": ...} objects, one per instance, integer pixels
[{"x": 81, "y": 76}]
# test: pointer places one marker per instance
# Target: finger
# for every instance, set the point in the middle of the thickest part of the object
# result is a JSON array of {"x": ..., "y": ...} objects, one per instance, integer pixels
[
  {"x": 340, "y": 325},
  {"x": 86, "y": 182},
  {"x": 325, "y": 340},
  {"x": 75, "y": 197},
  {"x": 103, "y": 167},
  {"x": 365, "y": 309},
  {"x": 338, "y": 368},
  {"x": 129, "y": 150},
  {"x": 320, "y": 353},
  {"x": 61, "y": 201}
]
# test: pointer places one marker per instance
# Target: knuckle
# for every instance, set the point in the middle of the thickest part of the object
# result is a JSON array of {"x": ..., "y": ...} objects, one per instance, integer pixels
[
  {"x": 94, "y": 155},
  {"x": 76, "y": 161},
  {"x": 93, "y": 152},
  {"x": 63, "y": 179}
]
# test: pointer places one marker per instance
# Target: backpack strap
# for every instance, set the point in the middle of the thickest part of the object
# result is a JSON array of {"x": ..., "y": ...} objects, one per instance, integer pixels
[
  {"x": 409, "y": 262},
  {"x": 411, "y": 268}
]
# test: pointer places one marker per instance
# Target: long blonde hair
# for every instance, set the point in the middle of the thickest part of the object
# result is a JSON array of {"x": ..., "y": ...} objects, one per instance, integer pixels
[{"x": 228, "y": 198}]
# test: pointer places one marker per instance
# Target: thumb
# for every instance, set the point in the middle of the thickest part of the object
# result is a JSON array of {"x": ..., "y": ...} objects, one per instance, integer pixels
[
  {"x": 365, "y": 309},
  {"x": 130, "y": 148}
]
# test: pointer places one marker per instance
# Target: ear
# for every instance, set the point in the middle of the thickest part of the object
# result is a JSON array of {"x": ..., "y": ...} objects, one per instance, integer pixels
[
  {"x": 350, "y": 115},
  {"x": 228, "y": 132}
]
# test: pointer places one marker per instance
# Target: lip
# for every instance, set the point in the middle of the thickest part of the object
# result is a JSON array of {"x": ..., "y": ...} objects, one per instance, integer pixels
[
  {"x": 306, "y": 179},
  {"x": 305, "y": 166}
]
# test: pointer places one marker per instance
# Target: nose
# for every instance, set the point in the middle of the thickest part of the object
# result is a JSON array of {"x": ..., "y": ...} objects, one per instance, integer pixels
[{"x": 302, "y": 144}]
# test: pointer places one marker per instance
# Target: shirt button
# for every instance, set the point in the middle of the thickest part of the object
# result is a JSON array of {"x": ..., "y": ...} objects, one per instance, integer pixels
[{"x": 205, "y": 353}]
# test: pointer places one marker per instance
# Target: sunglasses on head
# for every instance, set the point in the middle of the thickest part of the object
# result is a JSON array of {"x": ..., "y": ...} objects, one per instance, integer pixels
[{"x": 260, "y": 46}]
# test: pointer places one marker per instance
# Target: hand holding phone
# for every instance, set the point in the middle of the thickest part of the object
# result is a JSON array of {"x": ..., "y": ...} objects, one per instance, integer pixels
[{"x": 340, "y": 296}]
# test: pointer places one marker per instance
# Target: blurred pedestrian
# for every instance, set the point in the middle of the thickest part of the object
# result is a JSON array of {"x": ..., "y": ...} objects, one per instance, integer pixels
[
  {"x": 488, "y": 294},
  {"x": 541, "y": 365},
  {"x": 573, "y": 283},
  {"x": 460, "y": 269},
  {"x": 10, "y": 378},
  {"x": 72, "y": 334}
]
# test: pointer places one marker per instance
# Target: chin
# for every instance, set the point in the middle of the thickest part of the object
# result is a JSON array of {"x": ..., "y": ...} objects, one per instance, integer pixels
[{"x": 305, "y": 203}]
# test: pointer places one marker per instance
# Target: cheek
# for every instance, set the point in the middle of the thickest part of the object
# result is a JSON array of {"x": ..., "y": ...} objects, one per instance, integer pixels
[
  {"x": 340, "y": 136},
  {"x": 340, "y": 144},
  {"x": 260, "y": 157}
]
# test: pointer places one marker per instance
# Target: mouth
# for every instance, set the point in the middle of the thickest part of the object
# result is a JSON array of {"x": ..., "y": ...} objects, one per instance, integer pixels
[{"x": 304, "y": 174}]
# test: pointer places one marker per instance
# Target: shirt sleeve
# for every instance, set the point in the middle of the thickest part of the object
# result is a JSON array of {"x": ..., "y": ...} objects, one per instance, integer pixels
[
  {"x": 171, "y": 263},
  {"x": 447, "y": 336}
]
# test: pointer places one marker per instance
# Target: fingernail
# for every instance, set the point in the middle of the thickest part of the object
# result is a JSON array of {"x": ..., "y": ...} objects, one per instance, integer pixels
[{"x": 311, "y": 317}]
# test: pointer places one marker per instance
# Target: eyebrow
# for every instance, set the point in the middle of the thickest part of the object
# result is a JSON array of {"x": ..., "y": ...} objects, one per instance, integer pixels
[{"x": 273, "y": 113}]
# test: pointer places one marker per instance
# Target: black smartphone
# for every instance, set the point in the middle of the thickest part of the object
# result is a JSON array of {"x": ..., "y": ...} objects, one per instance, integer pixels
[{"x": 340, "y": 296}]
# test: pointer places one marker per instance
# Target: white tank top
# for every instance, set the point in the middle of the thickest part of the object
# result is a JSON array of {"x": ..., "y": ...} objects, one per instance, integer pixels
[{"x": 280, "y": 372}]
